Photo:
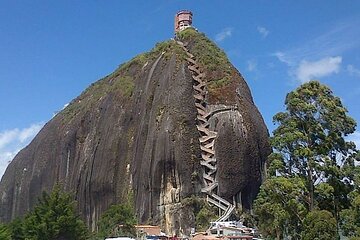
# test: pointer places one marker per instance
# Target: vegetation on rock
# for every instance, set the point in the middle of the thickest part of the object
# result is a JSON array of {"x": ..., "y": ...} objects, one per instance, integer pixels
[
  {"x": 209, "y": 56},
  {"x": 121, "y": 80},
  {"x": 203, "y": 212}
]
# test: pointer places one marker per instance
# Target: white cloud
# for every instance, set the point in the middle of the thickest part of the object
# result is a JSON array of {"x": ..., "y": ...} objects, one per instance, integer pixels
[
  {"x": 263, "y": 31},
  {"x": 340, "y": 38},
  {"x": 307, "y": 71},
  {"x": 225, "y": 33},
  {"x": 28, "y": 133},
  {"x": 251, "y": 65},
  {"x": 282, "y": 57},
  {"x": 13, "y": 140},
  {"x": 8, "y": 136},
  {"x": 353, "y": 71},
  {"x": 314, "y": 58}
]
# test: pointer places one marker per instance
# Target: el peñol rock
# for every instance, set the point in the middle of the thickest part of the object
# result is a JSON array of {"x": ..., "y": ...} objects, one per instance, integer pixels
[{"x": 134, "y": 132}]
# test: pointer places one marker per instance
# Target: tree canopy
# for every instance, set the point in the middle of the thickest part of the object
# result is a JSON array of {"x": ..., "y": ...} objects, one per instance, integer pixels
[
  {"x": 54, "y": 217},
  {"x": 311, "y": 157}
]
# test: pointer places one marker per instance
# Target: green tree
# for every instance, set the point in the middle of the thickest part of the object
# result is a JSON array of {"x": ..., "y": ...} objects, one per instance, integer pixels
[
  {"x": 118, "y": 220},
  {"x": 319, "y": 225},
  {"x": 54, "y": 217},
  {"x": 5, "y": 233},
  {"x": 310, "y": 142},
  {"x": 17, "y": 229},
  {"x": 279, "y": 207},
  {"x": 350, "y": 218}
]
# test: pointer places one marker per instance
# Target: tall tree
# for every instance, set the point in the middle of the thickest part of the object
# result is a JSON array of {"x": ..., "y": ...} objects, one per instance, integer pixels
[
  {"x": 310, "y": 141},
  {"x": 309, "y": 148}
]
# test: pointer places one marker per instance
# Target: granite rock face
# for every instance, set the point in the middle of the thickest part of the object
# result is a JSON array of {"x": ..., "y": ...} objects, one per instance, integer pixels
[{"x": 134, "y": 133}]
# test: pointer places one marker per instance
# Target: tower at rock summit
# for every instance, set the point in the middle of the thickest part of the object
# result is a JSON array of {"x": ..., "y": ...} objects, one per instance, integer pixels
[{"x": 175, "y": 128}]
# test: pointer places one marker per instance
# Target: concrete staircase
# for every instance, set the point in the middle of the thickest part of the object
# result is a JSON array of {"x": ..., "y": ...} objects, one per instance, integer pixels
[{"x": 207, "y": 138}]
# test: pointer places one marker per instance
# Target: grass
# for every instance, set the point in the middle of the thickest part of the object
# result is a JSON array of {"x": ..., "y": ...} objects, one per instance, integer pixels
[
  {"x": 169, "y": 47},
  {"x": 209, "y": 56},
  {"x": 121, "y": 80},
  {"x": 123, "y": 84}
]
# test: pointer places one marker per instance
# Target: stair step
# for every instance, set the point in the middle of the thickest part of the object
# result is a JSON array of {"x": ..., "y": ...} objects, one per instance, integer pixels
[
  {"x": 198, "y": 105},
  {"x": 216, "y": 203},
  {"x": 209, "y": 188},
  {"x": 199, "y": 89},
  {"x": 200, "y": 111},
  {"x": 218, "y": 198},
  {"x": 207, "y": 150},
  {"x": 195, "y": 69},
  {"x": 191, "y": 60},
  {"x": 207, "y": 138},
  {"x": 208, "y": 165},
  {"x": 198, "y": 79},
  {"x": 208, "y": 159},
  {"x": 210, "y": 145},
  {"x": 226, "y": 214},
  {"x": 208, "y": 178},
  {"x": 199, "y": 96},
  {"x": 206, "y": 131}
]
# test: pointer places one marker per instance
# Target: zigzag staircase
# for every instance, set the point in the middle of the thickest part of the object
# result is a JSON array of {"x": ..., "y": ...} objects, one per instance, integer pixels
[{"x": 207, "y": 140}]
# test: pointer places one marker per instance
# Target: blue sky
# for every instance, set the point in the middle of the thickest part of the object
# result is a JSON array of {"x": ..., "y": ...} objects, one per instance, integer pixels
[{"x": 50, "y": 51}]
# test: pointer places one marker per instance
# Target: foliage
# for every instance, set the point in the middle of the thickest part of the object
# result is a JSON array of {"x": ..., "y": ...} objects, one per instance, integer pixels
[
  {"x": 204, "y": 213},
  {"x": 319, "y": 224},
  {"x": 309, "y": 145},
  {"x": 350, "y": 218},
  {"x": 17, "y": 229},
  {"x": 310, "y": 140},
  {"x": 54, "y": 217},
  {"x": 125, "y": 85},
  {"x": 166, "y": 48},
  {"x": 5, "y": 233},
  {"x": 121, "y": 80},
  {"x": 118, "y": 220},
  {"x": 280, "y": 206},
  {"x": 209, "y": 56}
]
